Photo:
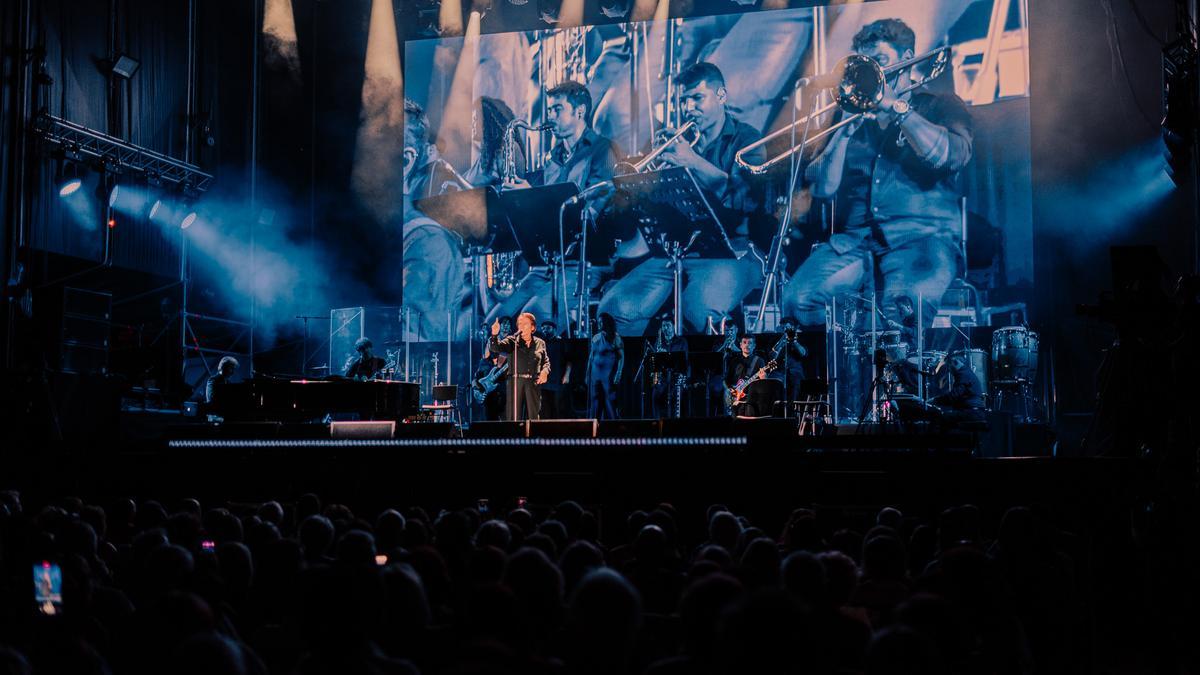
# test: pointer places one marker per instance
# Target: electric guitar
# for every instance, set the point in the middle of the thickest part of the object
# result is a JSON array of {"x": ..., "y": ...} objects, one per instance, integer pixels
[
  {"x": 481, "y": 387},
  {"x": 738, "y": 391}
]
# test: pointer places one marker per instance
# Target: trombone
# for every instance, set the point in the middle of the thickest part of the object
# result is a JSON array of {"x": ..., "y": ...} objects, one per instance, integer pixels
[
  {"x": 859, "y": 90},
  {"x": 641, "y": 164}
]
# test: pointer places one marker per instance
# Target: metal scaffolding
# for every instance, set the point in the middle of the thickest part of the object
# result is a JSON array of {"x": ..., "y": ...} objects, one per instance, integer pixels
[{"x": 119, "y": 155}]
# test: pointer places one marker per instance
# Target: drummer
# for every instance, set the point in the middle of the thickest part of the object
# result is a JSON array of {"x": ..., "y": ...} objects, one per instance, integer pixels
[{"x": 907, "y": 325}]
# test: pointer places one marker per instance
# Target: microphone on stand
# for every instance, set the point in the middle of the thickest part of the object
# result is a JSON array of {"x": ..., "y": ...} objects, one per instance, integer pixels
[{"x": 588, "y": 192}]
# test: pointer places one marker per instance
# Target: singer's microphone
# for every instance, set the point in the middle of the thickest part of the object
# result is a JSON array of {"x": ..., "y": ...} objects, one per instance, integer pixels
[{"x": 822, "y": 81}]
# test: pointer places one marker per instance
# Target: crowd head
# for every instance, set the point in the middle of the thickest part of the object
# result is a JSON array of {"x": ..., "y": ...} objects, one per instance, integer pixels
[{"x": 306, "y": 586}]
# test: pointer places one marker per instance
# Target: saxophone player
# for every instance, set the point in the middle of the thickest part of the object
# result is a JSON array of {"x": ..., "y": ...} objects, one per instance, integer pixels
[
  {"x": 579, "y": 155},
  {"x": 667, "y": 384}
]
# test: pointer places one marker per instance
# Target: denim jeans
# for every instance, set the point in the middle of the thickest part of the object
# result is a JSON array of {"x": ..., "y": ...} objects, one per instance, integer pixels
[
  {"x": 711, "y": 288},
  {"x": 921, "y": 267}
]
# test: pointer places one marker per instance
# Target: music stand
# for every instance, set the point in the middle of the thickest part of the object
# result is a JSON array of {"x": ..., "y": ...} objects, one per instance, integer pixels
[
  {"x": 667, "y": 362},
  {"x": 537, "y": 237},
  {"x": 711, "y": 364},
  {"x": 664, "y": 361},
  {"x": 676, "y": 219}
]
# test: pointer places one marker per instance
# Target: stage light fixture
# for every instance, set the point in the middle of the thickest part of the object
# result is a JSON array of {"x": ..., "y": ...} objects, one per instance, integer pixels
[
  {"x": 113, "y": 194},
  {"x": 70, "y": 179},
  {"x": 1180, "y": 82},
  {"x": 125, "y": 66},
  {"x": 70, "y": 186},
  {"x": 155, "y": 208},
  {"x": 187, "y": 220}
]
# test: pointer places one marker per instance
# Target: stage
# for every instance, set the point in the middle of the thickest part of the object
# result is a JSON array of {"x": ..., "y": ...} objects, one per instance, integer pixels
[{"x": 762, "y": 464}]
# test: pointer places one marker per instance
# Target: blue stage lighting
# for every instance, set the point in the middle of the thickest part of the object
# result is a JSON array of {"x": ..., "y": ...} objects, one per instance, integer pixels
[
  {"x": 112, "y": 195},
  {"x": 187, "y": 220},
  {"x": 156, "y": 208}
]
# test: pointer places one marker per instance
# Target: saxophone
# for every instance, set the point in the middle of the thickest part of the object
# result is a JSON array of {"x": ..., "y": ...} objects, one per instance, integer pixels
[
  {"x": 509, "y": 147},
  {"x": 677, "y": 392},
  {"x": 658, "y": 347}
]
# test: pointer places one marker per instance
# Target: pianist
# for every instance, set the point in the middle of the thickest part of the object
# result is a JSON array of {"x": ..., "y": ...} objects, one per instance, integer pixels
[
  {"x": 226, "y": 367},
  {"x": 363, "y": 365}
]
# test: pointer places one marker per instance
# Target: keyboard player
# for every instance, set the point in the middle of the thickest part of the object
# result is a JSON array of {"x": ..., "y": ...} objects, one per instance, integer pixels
[{"x": 363, "y": 364}]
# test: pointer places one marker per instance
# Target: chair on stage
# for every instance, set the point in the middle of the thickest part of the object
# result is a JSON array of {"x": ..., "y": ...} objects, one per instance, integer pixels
[
  {"x": 811, "y": 407},
  {"x": 445, "y": 404}
]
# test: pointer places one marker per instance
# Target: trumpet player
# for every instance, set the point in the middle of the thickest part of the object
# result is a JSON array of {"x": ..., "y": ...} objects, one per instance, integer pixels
[
  {"x": 713, "y": 287},
  {"x": 893, "y": 173}
]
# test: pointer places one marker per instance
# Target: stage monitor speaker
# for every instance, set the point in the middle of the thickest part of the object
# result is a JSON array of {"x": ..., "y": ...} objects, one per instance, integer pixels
[
  {"x": 629, "y": 429},
  {"x": 426, "y": 430},
  {"x": 497, "y": 430},
  {"x": 562, "y": 428},
  {"x": 698, "y": 426},
  {"x": 362, "y": 430}
]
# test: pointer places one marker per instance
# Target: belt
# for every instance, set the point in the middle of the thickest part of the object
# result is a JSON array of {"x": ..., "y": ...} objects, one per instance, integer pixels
[{"x": 525, "y": 377}]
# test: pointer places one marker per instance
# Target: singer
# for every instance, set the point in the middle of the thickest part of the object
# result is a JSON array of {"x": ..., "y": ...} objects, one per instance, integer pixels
[{"x": 531, "y": 368}]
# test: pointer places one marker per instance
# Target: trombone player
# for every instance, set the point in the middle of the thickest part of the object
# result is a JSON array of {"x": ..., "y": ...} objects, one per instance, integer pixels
[{"x": 894, "y": 175}]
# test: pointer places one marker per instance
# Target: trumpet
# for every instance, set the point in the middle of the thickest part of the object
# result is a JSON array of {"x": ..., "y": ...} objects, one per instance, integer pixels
[
  {"x": 509, "y": 139},
  {"x": 643, "y": 163},
  {"x": 859, "y": 91}
]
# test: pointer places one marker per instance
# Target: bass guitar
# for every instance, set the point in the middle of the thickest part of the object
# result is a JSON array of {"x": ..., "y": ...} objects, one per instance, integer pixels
[{"x": 481, "y": 387}]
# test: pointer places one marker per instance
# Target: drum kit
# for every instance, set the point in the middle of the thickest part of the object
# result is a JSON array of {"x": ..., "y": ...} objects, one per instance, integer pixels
[{"x": 910, "y": 380}]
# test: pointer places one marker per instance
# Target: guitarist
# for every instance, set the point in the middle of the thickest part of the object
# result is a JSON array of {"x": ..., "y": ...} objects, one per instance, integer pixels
[
  {"x": 740, "y": 365},
  {"x": 492, "y": 374}
]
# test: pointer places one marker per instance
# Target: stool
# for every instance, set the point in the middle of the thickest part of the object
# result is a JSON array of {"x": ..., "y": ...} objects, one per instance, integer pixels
[{"x": 445, "y": 404}]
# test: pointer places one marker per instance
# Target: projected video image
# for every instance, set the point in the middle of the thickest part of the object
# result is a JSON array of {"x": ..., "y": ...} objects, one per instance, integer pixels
[{"x": 861, "y": 167}]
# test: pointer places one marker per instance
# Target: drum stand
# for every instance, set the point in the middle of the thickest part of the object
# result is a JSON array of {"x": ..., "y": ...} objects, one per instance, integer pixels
[{"x": 1015, "y": 396}]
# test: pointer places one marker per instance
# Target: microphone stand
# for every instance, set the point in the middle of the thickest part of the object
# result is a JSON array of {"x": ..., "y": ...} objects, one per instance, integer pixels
[{"x": 771, "y": 278}]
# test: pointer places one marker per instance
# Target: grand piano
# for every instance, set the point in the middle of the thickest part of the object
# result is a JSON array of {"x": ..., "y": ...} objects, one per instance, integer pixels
[{"x": 281, "y": 400}]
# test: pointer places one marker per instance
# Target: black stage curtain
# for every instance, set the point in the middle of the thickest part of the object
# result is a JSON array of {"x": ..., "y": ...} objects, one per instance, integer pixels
[{"x": 149, "y": 110}]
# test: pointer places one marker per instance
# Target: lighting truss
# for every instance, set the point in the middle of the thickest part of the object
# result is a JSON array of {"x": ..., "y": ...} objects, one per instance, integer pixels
[{"x": 120, "y": 155}]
